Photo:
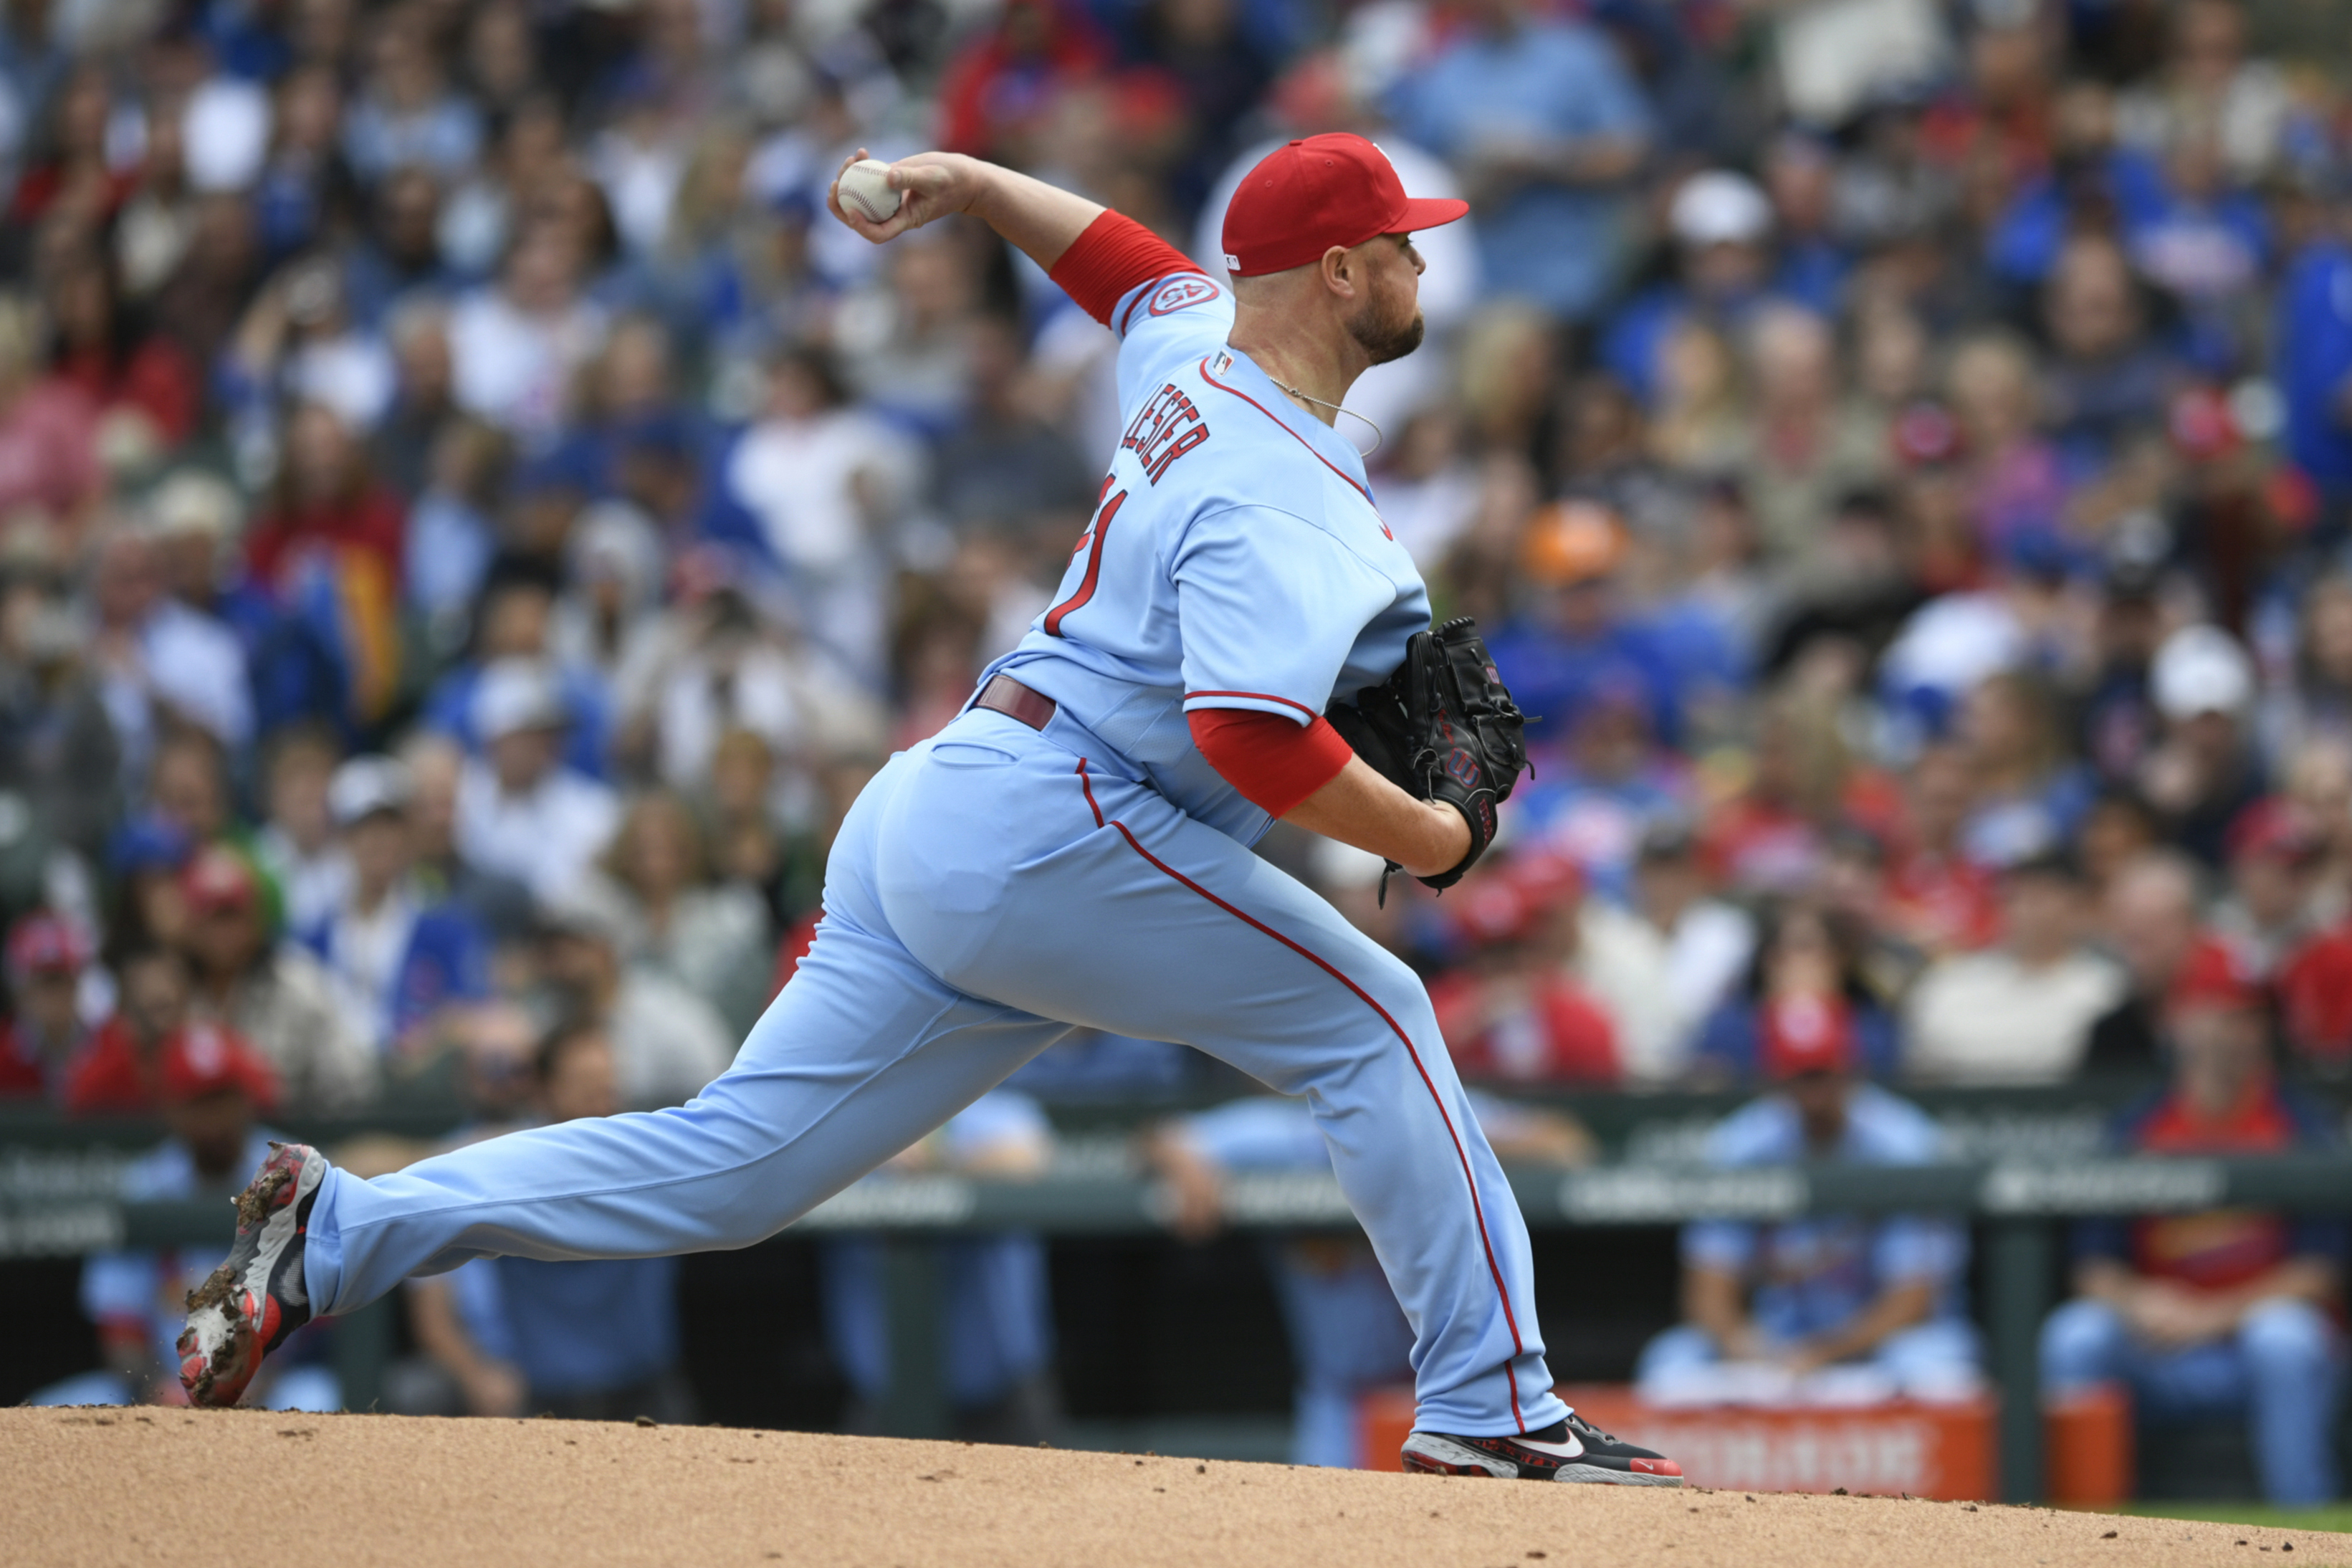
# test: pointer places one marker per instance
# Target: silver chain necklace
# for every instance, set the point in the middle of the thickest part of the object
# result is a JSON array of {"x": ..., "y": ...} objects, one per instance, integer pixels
[{"x": 1308, "y": 397}]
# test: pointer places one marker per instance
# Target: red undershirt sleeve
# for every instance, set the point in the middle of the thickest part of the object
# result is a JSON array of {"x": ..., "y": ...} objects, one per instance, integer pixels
[
  {"x": 1114, "y": 254},
  {"x": 1275, "y": 761}
]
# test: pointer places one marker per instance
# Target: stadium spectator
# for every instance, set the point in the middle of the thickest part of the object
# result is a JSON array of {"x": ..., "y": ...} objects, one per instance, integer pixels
[
  {"x": 2203, "y": 770},
  {"x": 2207, "y": 1314},
  {"x": 1578, "y": 648},
  {"x": 515, "y": 622},
  {"x": 1938, "y": 898},
  {"x": 436, "y": 769},
  {"x": 521, "y": 812},
  {"x": 2151, "y": 922},
  {"x": 328, "y": 510},
  {"x": 272, "y": 991},
  {"x": 2021, "y": 1010},
  {"x": 2315, "y": 363},
  {"x": 1810, "y": 441},
  {"x": 2207, "y": 80},
  {"x": 399, "y": 954},
  {"x": 709, "y": 936},
  {"x": 405, "y": 114},
  {"x": 812, "y": 489},
  {"x": 1660, "y": 966},
  {"x": 49, "y": 433},
  {"x": 1771, "y": 834},
  {"x": 2029, "y": 797},
  {"x": 667, "y": 1041},
  {"x": 158, "y": 661},
  {"x": 59, "y": 750},
  {"x": 138, "y": 378},
  {"x": 47, "y": 956},
  {"x": 1544, "y": 124},
  {"x": 297, "y": 843},
  {"x": 119, "y": 1072},
  {"x": 2267, "y": 915},
  {"x": 2107, "y": 384},
  {"x": 711, "y": 664},
  {"x": 2312, "y": 704},
  {"x": 1804, "y": 991},
  {"x": 516, "y": 346},
  {"x": 1874, "y": 1304},
  {"x": 1721, "y": 225},
  {"x": 1514, "y": 1011}
]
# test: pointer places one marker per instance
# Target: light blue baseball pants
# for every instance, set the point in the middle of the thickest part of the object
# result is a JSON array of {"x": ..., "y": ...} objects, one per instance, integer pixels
[{"x": 990, "y": 889}]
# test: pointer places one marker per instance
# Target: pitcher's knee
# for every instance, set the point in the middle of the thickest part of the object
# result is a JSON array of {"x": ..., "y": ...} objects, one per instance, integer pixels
[
  {"x": 2287, "y": 1337},
  {"x": 1382, "y": 1021}
]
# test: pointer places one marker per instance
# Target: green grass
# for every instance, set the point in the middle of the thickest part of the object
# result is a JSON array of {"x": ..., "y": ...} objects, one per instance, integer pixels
[{"x": 2335, "y": 1516}]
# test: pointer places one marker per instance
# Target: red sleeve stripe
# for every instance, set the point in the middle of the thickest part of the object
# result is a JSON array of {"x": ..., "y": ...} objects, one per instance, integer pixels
[
  {"x": 1116, "y": 254},
  {"x": 1273, "y": 762},
  {"x": 1259, "y": 697}
]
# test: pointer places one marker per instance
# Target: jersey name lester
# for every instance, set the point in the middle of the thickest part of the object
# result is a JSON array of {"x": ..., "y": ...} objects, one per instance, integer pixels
[{"x": 1168, "y": 425}]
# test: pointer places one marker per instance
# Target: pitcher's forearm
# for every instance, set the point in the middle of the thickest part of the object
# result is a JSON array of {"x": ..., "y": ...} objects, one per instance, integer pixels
[
  {"x": 1038, "y": 220},
  {"x": 1360, "y": 809},
  {"x": 1041, "y": 219}
]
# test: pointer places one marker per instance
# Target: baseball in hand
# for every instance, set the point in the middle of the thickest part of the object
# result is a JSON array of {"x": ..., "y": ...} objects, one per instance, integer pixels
[{"x": 865, "y": 189}]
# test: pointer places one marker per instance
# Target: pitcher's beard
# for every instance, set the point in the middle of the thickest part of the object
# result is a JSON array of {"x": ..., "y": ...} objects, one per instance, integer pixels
[{"x": 1382, "y": 342}]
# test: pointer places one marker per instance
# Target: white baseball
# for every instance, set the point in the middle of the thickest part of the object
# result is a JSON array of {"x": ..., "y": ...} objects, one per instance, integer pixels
[{"x": 866, "y": 190}]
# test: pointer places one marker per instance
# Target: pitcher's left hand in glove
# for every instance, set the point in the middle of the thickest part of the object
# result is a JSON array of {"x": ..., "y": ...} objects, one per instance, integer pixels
[{"x": 1443, "y": 728}]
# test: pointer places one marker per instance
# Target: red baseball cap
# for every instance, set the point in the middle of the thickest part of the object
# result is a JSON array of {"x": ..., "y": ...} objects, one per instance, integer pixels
[
  {"x": 1804, "y": 1033},
  {"x": 1307, "y": 197},
  {"x": 219, "y": 879},
  {"x": 46, "y": 944},
  {"x": 2214, "y": 976},
  {"x": 1511, "y": 901},
  {"x": 2271, "y": 829},
  {"x": 202, "y": 1059}
]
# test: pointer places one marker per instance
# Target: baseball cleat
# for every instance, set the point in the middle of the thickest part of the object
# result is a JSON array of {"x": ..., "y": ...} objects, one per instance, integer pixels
[
  {"x": 256, "y": 1298},
  {"x": 1570, "y": 1450}
]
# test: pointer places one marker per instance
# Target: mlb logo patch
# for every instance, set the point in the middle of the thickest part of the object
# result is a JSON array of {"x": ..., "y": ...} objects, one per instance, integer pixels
[{"x": 1182, "y": 293}]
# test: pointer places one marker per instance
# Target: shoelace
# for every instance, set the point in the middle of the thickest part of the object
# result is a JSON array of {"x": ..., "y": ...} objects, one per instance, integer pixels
[{"x": 1584, "y": 1428}]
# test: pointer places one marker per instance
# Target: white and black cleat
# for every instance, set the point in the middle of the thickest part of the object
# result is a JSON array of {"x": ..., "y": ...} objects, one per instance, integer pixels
[
  {"x": 258, "y": 1297},
  {"x": 1569, "y": 1450}
]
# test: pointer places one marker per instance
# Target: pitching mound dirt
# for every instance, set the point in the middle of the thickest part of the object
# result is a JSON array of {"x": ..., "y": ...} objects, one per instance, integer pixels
[{"x": 95, "y": 1486}]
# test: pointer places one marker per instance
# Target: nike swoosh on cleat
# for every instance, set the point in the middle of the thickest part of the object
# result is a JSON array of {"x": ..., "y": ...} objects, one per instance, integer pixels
[{"x": 1570, "y": 1449}]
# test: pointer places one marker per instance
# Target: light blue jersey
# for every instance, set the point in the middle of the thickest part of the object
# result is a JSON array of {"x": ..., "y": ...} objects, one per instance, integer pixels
[{"x": 1234, "y": 560}]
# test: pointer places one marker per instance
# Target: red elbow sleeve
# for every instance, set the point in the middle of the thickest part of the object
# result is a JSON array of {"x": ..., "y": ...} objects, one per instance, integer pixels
[
  {"x": 1275, "y": 761},
  {"x": 1114, "y": 254}
]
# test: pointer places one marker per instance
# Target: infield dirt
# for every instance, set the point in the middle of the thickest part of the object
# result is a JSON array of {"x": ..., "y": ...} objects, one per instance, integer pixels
[{"x": 92, "y": 1486}]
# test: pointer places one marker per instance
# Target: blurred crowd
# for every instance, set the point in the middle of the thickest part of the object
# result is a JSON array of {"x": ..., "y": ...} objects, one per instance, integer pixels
[{"x": 469, "y": 521}]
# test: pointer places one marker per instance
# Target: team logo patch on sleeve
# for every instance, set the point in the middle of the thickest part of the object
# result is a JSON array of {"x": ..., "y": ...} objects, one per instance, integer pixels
[{"x": 1182, "y": 293}]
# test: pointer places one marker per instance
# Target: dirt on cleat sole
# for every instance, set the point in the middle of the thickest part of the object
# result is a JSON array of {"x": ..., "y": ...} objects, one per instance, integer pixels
[
  {"x": 215, "y": 1291},
  {"x": 254, "y": 1204}
]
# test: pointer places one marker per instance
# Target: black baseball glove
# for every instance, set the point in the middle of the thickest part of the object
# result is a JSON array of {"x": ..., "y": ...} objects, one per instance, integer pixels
[{"x": 1442, "y": 728}]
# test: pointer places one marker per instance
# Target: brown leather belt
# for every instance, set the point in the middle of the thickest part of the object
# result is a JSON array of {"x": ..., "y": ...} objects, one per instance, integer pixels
[{"x": 1007, "y": 696}]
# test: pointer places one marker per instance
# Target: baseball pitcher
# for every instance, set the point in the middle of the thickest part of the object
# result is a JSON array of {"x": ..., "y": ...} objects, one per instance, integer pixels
[{"x": 1237, "y": 637}]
